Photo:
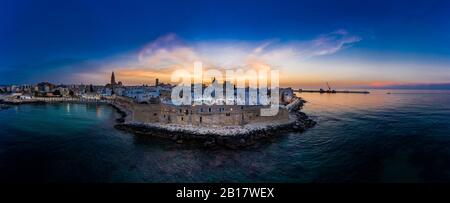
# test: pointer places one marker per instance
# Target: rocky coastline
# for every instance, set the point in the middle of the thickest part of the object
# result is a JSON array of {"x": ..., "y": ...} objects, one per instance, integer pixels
[
  {"x": 232, "y": 137},
  {"x": 123, "y": 113}
]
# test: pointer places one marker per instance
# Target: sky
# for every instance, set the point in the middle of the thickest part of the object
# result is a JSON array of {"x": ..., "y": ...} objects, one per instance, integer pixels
[{"x": 351, "y": 44}]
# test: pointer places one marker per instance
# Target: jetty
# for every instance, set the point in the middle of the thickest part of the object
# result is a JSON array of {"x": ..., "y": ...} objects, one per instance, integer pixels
[
  {"x": 331, "y": 91},
  {"x": 321, "y": 91}
]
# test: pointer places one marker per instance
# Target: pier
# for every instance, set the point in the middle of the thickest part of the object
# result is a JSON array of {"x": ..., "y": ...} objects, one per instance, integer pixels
[
  {"x": 321, "y": 91},
  {"x": 331, "y": 91}
]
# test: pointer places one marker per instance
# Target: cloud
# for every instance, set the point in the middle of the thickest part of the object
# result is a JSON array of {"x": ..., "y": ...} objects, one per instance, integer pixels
[
  {"x": 331, "y": 43},
  {"x": 168, "y": 53},
  {"x": 325, "y": 44}
]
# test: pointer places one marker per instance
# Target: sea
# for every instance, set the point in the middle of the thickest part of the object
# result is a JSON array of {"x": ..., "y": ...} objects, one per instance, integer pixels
[{"x": 385, "y": 136}]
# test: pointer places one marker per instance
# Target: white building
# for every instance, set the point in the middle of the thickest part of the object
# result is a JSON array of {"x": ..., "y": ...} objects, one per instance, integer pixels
[
  {"x": 90, "y": 96},
  {"x": 25, "y": 97},
  {"x": 63, "y": 91},
  {"x": 142, "y": 93}
]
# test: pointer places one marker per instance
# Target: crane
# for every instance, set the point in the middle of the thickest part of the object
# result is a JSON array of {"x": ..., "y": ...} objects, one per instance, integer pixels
[{"x": 329, "y": 88}]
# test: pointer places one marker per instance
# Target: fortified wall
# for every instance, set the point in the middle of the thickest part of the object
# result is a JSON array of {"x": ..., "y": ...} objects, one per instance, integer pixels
[
  {"x": 216, "y": 115},
  {"x": 199, "y": 115}
]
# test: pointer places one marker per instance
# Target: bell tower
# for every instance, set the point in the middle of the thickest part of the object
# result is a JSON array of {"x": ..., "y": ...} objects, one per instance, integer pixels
[{"x": 113, "y": 79}]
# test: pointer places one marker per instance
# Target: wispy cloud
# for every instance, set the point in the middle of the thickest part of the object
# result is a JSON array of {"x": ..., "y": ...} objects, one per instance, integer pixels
[
  {"x": 332, "y": 43},
  {"x": 325, "y": 44},
  {"x": 169, "y": 52},
  {"x": 166, "y": 51}
]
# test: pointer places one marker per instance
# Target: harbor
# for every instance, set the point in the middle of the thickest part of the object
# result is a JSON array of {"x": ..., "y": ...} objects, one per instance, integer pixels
[
  {"x": 149, "y": 110},
  {"x": 321, "y": 91},
  {"x": 134, "y": 118},
  {"x": 63, "y": 135}
]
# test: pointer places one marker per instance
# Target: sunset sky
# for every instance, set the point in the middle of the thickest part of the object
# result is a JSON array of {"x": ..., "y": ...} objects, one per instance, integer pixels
[{"x": 346, "y": 43}]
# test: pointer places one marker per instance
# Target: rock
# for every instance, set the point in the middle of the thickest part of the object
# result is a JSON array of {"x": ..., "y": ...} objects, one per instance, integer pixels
[
  {"x": 174, "y": 137},
  {"x": 209, "y": 144},
  {"x": 230, "y": 137}
]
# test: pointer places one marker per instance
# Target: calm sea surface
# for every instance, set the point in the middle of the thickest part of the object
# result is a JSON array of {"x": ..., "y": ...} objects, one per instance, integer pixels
[{"x": 377, "y": 137}]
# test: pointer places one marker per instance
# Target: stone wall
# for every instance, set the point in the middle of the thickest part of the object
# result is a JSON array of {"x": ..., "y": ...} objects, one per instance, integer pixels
[
  {"x": 199, "y": 115},
  {"x": 147, "y": 113},
  {"x": 217, "y": 115}
]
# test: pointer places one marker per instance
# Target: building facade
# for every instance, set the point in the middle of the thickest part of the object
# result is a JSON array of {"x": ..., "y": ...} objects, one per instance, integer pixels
[{"x": 199, "y": 115}]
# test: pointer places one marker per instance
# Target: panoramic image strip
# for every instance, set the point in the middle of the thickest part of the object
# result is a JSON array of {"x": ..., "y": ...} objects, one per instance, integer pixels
[{"x": 224, "y": 100}]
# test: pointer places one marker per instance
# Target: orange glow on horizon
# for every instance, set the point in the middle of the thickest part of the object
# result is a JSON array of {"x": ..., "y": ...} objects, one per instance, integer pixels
[
  {"x": 384, "y": 83},
  {"x": 146, "y": 76}
]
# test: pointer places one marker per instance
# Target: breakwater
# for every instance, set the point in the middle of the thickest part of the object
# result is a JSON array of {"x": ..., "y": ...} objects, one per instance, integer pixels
[
  {"x": 332, "y": 91},
  {"x": 230, "y": 137}
]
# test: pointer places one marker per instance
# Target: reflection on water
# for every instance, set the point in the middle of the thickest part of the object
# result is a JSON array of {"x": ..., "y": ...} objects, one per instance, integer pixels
[
  {"x": 395, "y": 137},
  {"x": 377, "y": 100},
  {"x": 364, "y": 138},
  {"x": 98, "y": 111},
  {"x": 68, "y": 108}
]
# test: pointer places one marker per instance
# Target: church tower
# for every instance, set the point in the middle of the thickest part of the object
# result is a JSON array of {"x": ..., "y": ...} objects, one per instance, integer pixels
[{"x": 113, "y": 79}]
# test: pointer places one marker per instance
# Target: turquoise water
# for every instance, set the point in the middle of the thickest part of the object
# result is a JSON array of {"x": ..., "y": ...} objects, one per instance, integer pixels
[{"x": 359, "y": 138}]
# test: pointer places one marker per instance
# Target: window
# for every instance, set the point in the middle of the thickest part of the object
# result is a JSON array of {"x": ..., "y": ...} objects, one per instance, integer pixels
[
  {"x": 201, "y": 109},
  {"x": 242, "y": 107},
  {"x": 181, "y": 110},
  {"x": 187, "y": 112},
  {"x": 155, "y": 114},
  {"x": 209, "y": 109},
  {"x": 201, "y": 119},
  {"x": 182, "y": 118},
  {"x": 228, "y": 114}
]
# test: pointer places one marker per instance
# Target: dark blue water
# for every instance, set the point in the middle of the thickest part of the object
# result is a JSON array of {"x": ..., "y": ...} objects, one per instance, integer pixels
[{"x": 359, "y": 138}]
